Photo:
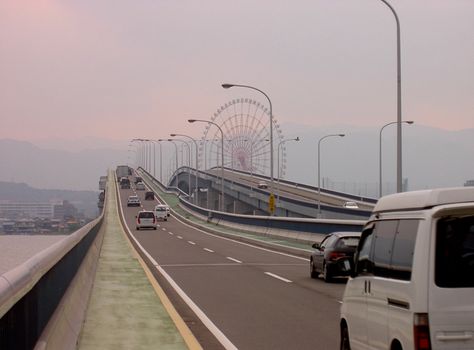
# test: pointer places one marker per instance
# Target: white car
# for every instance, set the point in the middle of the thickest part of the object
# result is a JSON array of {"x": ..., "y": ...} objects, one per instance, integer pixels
[
  {"x": 140, "y": 186},
  {"x": 262, "y": 184},
  {"x": 412, "y": 286},
  {"x": 161, "y": 212},
  {"x": 351, "y": 205},
  {"x": 133, "y": 201},
  {"x": 146, "y": 219}
]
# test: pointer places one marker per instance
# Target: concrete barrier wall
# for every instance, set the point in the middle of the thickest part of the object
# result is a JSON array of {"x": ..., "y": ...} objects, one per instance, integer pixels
[
  {"x": 30, "y": 293},
  {"x": 278, "y": 226}
]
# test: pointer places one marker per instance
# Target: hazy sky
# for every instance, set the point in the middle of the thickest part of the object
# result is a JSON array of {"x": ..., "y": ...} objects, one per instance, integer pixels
[{"x": 122, "y": 69}]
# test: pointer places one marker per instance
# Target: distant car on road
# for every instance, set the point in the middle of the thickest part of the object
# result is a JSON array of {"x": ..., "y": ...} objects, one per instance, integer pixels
[
  {"x": 351, "y": 205},
  {"x": 161, "y": 213},
  {"x": 332, "y": 256},
  {"x": 124, "y": 183},
  {"x": 146, "y": 219},
  {"x": 140, "y": 186},
  {"x": 149, "y": 195},
  {"x": 133, "y": 201},
  {"x": 262, "y": 184},
  {"x": 138, "y": 179}
]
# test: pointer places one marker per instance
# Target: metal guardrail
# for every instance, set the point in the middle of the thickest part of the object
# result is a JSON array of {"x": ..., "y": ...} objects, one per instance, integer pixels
[{"x": 30, "y": 293}]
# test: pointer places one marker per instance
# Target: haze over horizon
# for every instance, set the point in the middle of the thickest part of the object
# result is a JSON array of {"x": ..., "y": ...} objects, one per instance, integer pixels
[{"x": 78, "y": 76}]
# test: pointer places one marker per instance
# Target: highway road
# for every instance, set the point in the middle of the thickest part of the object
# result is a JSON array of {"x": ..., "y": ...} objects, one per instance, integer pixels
[
  {"x": 256, "y": 298},
  {"x": 290, "y": 191}
]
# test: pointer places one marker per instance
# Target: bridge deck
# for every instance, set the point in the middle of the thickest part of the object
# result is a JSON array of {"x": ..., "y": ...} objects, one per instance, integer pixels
[{"x": 124, "y": 310}]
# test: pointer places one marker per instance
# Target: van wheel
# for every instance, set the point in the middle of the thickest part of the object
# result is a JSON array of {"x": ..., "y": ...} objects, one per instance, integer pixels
[
  {"x": 138, "y": 228},
  {"x": 345, "y": 344},
  {"x": 326, "y": 275},
  {"x": 396, "y": 345},
  {"x": 312, "y": 270}
]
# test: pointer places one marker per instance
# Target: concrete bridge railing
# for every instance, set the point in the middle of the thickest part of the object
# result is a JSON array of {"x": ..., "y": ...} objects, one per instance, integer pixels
[{"x": 31, "y": 292}]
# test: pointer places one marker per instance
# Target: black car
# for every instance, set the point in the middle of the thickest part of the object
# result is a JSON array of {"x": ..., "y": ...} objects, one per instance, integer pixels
[
  {"x": 332, "y": 257},
  {"x": 149, "y": 195}
]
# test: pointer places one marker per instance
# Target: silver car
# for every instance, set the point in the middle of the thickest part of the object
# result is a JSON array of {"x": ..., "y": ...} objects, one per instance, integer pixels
[{"x": 146, "y": 219}]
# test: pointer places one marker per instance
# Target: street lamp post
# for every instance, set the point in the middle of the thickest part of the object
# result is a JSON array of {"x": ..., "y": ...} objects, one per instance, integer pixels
[
  {"x": 227, "y": 86},
  {"x": 409, "y": 122},
  {"x": 189, "y": 163},
  {"x": 278, "y": 163},
  {"x": 175, "y": 148},
  {"x": 161, "y": 157},
  {"x": 222, "y": 156},
  {"x": 399, "y": 100},
  {"x": 319, "y": 168},
  {"x": 196, "y": 200}
]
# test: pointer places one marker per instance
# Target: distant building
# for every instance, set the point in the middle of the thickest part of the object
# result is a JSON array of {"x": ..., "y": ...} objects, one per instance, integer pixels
[
  {"x": 65, "y": 211},
  {"x": 13, "y": 209},
  {"x": 469, "y": 183}
]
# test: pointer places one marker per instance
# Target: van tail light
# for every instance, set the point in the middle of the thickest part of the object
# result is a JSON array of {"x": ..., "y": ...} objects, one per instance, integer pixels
[
  {"x": 336, "y": 255},
  {"x": 421, "y": 332},
  {"x": 154, "y": 219},
  {"x": 138, "y": 220}
]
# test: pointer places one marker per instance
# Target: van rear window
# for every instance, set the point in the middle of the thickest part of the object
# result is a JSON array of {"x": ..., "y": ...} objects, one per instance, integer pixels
[
  {"x": 387, "y": 249},
  {"x": 454, "y": 264},
  {"x": 147, "y": 215}
]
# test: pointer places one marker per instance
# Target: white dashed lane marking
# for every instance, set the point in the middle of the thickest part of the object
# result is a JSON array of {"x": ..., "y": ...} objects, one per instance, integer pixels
[
  {"x": 179, "y": 237},
  {"x": 235, "y": 260},
  {"x": 277, "y": 277},
  {"x": 208, "y": 250},
  {"x": 190, "y": 242}
]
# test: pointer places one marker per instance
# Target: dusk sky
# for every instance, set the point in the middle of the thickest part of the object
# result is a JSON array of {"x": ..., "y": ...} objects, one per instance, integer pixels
[{"x": 120, "y": 69}]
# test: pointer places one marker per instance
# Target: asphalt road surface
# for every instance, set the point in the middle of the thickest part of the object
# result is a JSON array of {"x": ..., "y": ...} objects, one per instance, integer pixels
[{"x": 257, "y": 298}]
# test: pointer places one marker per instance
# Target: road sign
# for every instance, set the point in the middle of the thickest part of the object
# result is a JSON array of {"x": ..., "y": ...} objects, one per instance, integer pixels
[{"x": 271, "y": 203}]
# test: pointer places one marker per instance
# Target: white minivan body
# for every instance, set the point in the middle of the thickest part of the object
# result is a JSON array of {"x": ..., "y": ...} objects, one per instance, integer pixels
[
  {"x": 161, "y": 212},
  {"x": 412, "y": 286}
]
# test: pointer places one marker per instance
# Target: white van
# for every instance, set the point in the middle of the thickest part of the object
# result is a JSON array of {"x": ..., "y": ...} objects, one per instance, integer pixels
[
  {"x": 412, "y": 283},
  {"x": 161, "y": 212}
]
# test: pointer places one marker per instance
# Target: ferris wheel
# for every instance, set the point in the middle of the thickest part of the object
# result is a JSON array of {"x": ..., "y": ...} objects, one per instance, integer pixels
[{"x": 245, "y": 124}]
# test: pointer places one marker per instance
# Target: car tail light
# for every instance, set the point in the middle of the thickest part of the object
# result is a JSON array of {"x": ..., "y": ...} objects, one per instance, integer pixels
[
  {"x": 421, "y": 332},
  {"x": 138, "y": 220},
  {"x": 154, "y": 219},
  {"x": 336, "y": 255}
]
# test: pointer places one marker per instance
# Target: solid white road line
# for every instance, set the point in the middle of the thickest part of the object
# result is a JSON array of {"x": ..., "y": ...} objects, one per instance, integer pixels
[
  {"x": 237, "y": 261},
  {"x": 277, "y": 277},
  {"x": 226, "y": 343},
  {"x": 191, "y": 242},
  {"x": 208, "y": 250}
]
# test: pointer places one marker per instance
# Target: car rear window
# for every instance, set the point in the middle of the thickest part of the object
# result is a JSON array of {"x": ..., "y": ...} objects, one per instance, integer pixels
[
  {"x": 146, "y": 215},
  {"x": 160, "y": 209},
  {"x": 454, "y": 264},
  {"x": 352, "y": 242}
]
